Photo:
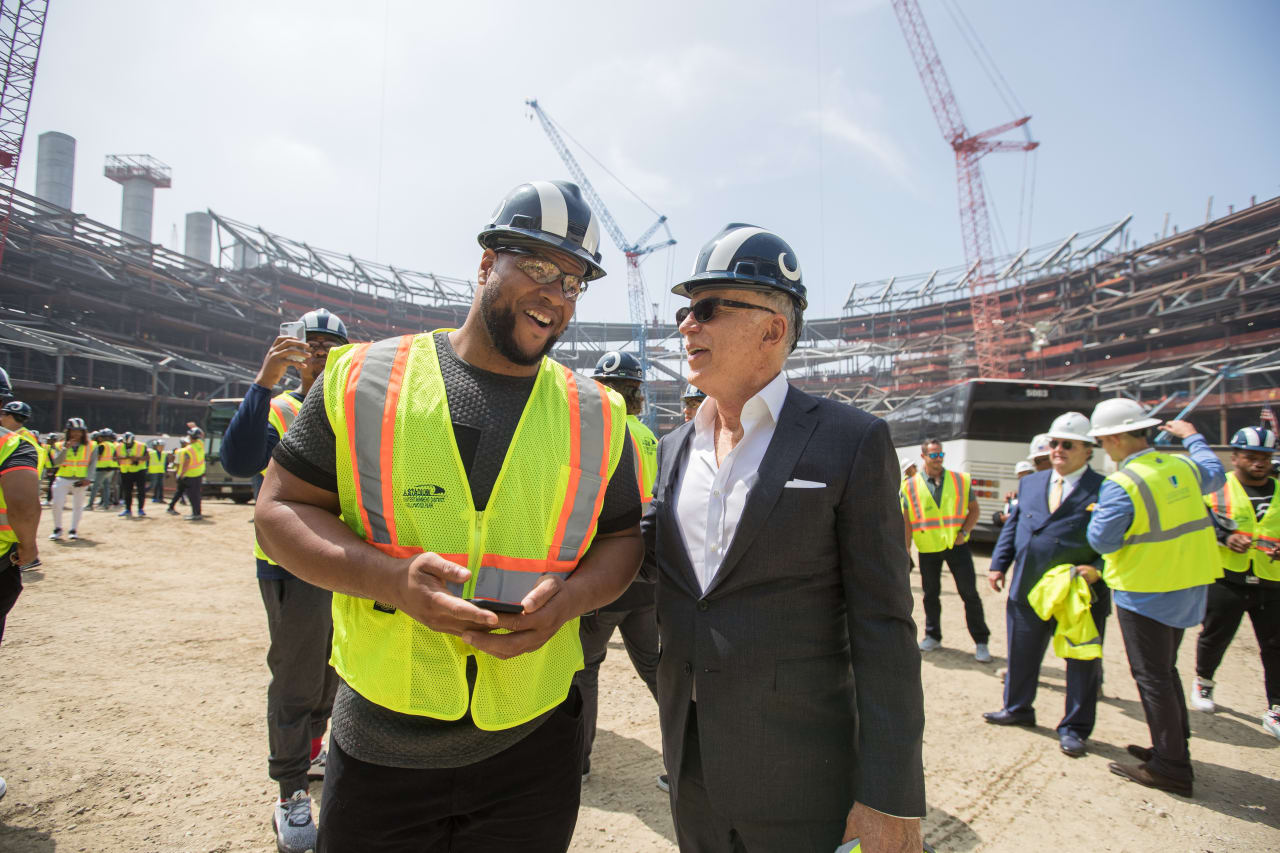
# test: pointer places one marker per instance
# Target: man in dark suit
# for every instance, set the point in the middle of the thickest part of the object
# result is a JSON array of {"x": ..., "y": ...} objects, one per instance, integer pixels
[
  {"x": 1047, "y": 528},
  {"x": 789, "y": 683}
]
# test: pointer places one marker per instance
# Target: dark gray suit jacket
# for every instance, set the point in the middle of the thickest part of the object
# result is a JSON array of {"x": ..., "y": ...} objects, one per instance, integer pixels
[{"x": 803, "y": 648}]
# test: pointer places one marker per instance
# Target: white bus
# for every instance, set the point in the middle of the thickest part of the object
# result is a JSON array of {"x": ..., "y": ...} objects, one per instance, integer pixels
[{"x": 985, "y": 426}]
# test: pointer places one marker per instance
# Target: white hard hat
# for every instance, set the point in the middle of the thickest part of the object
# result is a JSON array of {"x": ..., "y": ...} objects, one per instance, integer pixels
[
  {"x": 1117, "y": 415},
  {"x": 1039, "y": 446},
  {"x": 1023, "y": 467},
  {"x": 1071, "y": 426},
  {"x": 906, "y": 462}
]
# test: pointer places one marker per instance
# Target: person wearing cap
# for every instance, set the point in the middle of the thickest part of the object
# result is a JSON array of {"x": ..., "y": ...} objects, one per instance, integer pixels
[
  {"x": 132, "y": 458},
  {"x": 461, "y": 560},
  {"x": 13, "y": 417},
  {"x": 299, "y": 619},
  {"x": 1047, "y": 528},
  {"x": 691, "y": 399},
  {"x": 789, "y": 689},
  {"x": 1248, "y": 511},
  {"x": 19, "y": 508},
  {"x": 176, "y": 464},
  {"x": 1160, "y": 558},
  {"x": 1038, "y": 453},
  {"x": 939, "y": 511},
  {"x": 1020, "y": 471},
  {"x": 908, "y": 466}
]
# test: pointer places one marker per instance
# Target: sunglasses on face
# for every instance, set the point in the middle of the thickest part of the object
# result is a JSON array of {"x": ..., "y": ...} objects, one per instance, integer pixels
[
  {"x": 937, "y": 455},
  {"x": 543, "y": 271},
  {"x": 1064, "y": 444},
  {"x": 705, "y": 310}
]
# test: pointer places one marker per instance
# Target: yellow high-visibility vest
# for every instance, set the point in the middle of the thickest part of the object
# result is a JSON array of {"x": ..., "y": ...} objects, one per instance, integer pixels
[
  {"x": 934, "y": 525},
  {"x": 284, "y": 410},
  {"x": 645, "y": 449},
  {"x": 1233, "y": 502},
  {"x": 403, "y": 489},
  {"x": 195, "y": 452},
  {"x": 106, "y": 455},
  {"x": 1170, "y": 544},
  {"x": 155, "y": 461},
  {"x": 130, "y": 460},
  {"x": 75, "y": 463},
  {"x": 42, "y": 452},
  {"x": 9, "y": 443}
]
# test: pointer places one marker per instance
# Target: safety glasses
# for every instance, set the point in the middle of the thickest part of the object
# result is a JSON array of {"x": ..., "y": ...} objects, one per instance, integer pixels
[
  {"x": 1065, "y": 444},
  {"x": 705, "y": 310},
  {"x": 938, "y": 455},
  {"x": 543, "y": 271}
]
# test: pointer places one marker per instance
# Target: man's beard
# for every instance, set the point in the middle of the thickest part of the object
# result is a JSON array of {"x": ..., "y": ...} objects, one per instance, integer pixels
[{"x": 500, "y": 323}]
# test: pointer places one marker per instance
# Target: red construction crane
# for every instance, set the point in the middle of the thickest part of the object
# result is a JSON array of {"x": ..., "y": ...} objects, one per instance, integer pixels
[
  {"x": 21, "y": 29},
  {"x": 975, "y": 223}
]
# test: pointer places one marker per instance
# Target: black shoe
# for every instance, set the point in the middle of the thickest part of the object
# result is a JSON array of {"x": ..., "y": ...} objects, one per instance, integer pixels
[
  {"x": 1004, "y": 718},
  {"x": 1142, "y": 753},
  {"x": 1143, "y": 775},
  {"x": 1072, "y": 745}
]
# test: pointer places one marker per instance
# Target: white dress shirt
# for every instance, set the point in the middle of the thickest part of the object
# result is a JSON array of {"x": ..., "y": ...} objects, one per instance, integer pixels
[
  {"x": 1069, "y": 481},
  {"x": 710, "y": 496}
]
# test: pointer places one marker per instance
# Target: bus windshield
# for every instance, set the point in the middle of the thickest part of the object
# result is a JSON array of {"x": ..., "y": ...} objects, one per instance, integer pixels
[{"x": 989, "y": 410}]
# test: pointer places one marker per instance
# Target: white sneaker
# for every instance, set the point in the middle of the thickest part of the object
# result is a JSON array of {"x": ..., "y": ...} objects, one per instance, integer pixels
[
  {"x": 295, "y": 830},
  {"x": 56, "y": 534},
  {"x": 1270, "y": 722},
  {"x": 1202, "y": 695},
  {"x": 316, "y": 770},
  {"x": 928, "y": 644},
  {"x": 981, "y": 653}
]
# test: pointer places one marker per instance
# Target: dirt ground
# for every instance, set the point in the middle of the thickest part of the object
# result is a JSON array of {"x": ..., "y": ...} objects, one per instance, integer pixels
[{"x": 132, "y": 703}]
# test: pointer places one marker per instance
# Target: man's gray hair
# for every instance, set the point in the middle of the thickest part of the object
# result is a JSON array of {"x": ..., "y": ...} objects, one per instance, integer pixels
[{"x": 787, "y": 307}]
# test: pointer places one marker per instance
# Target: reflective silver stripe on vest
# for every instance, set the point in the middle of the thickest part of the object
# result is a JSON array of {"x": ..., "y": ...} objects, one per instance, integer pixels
[
  {"x": 286, "y": 413},
  {"x": 498, "y": 585},
  {"x": 592, "y": 443},
  {"x": 366, "y": 425},
  {"x": 1157, "y": 532}
]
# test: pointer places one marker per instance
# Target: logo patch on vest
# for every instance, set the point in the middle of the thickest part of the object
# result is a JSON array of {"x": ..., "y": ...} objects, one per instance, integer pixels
[{"x": 423, "y": 496}]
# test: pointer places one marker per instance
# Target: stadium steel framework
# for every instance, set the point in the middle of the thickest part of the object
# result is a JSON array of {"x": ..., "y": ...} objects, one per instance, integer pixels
[{"x": 98, "y": 324}]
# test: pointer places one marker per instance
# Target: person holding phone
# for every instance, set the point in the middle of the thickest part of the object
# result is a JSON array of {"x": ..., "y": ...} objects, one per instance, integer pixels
[{"x": 428, "y": 481}]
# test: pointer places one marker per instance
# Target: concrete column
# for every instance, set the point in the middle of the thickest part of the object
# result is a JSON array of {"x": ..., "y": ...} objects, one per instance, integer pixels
[
  {"x": 199, "y": 237},
  {"x": 136, "y": 208},
  {"x": 55, "y": 168}
]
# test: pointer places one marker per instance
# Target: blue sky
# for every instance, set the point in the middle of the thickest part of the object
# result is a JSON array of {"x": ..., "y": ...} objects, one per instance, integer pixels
[{"x": 389, "y": 130}]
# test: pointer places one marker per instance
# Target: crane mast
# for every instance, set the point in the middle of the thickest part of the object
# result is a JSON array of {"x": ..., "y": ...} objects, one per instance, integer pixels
[{"x": 21, "y": 31}]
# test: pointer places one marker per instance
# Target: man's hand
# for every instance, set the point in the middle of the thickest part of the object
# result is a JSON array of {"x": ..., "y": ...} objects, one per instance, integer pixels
[
  {"x": 284, "y": 351},
  {"x": 1179, "y": 429},
  {"x": 544, "y": 613},
  {"x": 996, "y": 579},
  {"x": 425, "y": 598},
  {"x": 962, "y": 537},
  {"x": 1089, "y": 573},
  {"x": 1239, "y": 542},
  {"x": 79, "y": 483},
  {"x": 882, "y": 833}
]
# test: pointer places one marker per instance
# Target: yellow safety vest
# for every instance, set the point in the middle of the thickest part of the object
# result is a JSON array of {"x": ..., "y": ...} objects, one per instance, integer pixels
[
  {"x": 155, "y": 461},
  {"x": 645, "y": 449},
  {"x": 195, "y": 450},
  {"x": 1061, "y": 595},
  {"x": 75, "y": 463},
  {"x": 131, "y": 461},
  {"x": 934, "y": 526},
  {"x": 42, "y": 452},
  {"x": 106, "y": 455},
  {"x": 1233, "y": 502},
  {"x": 284, "y": 409},
  {"x": 8, "y": 538},
  {"x": 403, "y": 489},
  {"x": 1170, "y": 545}
]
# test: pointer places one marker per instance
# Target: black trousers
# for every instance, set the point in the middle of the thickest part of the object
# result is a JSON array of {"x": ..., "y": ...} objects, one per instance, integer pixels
[
  {"x": 701, "y": 827},
  {"x": 524, "y": 798},
  {"x": 1152, "y": 648},
  {"x": 639, "y": 629},
  {"x": 959, "y": 560},
  {"x": 190, "y": 487},
  {"x": 1228, "y": 602},
  {"x": 134, "y": 481},
  {"x": 10, "y": 589}
]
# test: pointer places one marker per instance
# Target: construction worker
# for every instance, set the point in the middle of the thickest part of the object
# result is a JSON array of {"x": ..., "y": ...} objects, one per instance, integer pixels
[
  {"x": 177, "y": 462},
  {"x": 1038, "y": 453},
  {"x": 190, "y": 473},
  {"x": 634, "y": 613},
  {"x": 155, "y": 469},
  {"x": 691, "y": 399},
  {"x": 13, "y": 417},
  {"x": 75, "y": 459},
  {"x": 939, "y": 512},
  {"x": 19, "y": 509},
  {"x": 446, "y": 735},
  {"x": 1248, "y": 507},
  {"x": 1160, "y": 558},
  {"x": 108, "y": 467},
  {"x": 299, "y": 617},
  {"x": 131, "y": 456}
]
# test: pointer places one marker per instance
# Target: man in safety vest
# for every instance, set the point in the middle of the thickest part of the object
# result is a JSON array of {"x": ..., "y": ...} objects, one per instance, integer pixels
[
  {"x": 155, "y": 469},
  {"x": 190, "y": 473},
  {"x": 13, "y": 417},
  {"x": 106, "y": 470},
  {"x": 445, "y": 486},
  {"x": 939, "y": 512},
  {"x": 299, "y": 619},
  {"x": 1160, "y": 553},
  {"x": 1248, "y": 510},
  {"x": 131, "y": 455},
  {"x": 634, "y": 613},
  {"x": 19, "y": 509}
]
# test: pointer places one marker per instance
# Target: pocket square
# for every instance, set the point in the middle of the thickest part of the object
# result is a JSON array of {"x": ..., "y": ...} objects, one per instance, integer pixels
[{"x": 803, "y": 484}]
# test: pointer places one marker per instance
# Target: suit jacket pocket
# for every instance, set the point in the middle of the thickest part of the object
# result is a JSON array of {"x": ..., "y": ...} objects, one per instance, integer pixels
[{"x": 807, "y": 675}]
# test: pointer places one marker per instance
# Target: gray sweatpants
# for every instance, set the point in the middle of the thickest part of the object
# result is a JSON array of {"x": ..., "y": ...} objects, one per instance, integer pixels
[
  {"x": 639, "y": 629},
  {"x": 300, "y": 696}
]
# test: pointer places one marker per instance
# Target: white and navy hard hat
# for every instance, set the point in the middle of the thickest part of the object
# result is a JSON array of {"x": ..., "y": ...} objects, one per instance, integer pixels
[
  {"x": 17, "y": 409},
  {"x": 547, "y": 214},
  {"x": 747, "y": 257},
  {"x": 618, "y": 365},
  {"x": 6, "y": 387},
  {"x": 324, "y": 321},
  {"x": 693, "y": 393},
  {"x": 75, "y": 423},
  {"x": 1254, "y": 438}
]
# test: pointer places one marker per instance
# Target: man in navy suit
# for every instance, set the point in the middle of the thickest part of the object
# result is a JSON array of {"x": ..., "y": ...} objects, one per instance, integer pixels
[{"x": 1045, "y": 529}]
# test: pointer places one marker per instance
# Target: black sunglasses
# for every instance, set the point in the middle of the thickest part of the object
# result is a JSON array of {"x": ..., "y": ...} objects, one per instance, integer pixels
[
  {"x": 1065, "y": 444},
  {"x": 705, "y": 310}
]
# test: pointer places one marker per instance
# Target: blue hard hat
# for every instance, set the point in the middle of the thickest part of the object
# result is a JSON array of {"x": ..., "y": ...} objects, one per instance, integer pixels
[
  {"x": 692, "y": 393},
  {"x": 1254, "y": 438},
  {"x": 324, "y": 321},
  {"x": 618, "y": 365},
  {"x": 17, "y": 408},
  {"x": 547, "y": 214}
]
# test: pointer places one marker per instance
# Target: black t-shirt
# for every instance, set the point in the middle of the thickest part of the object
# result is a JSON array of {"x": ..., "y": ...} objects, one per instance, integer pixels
[{"x": 23, "y": 456}]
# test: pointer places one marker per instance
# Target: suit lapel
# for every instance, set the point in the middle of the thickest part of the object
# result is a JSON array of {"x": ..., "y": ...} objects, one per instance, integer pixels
[
  {"x": 796, "y": 422},
  {"x": 673, "y": 462}
]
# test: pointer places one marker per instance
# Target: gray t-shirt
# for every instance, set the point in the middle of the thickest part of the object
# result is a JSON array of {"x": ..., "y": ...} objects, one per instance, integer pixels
[{"x": 485, "y": 409}]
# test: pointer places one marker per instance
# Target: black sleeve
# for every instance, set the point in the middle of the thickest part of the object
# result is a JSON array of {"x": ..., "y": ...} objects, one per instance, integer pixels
[
  {"x": 308, "y": 450},
  {"x": 621, "y": 507},
  {"x": 24, "y": 456}
]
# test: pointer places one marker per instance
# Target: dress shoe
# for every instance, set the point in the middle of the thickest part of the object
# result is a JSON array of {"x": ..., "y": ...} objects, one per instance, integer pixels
[
  {"x": 1072, "y": 745},
  {"x": 1005, "y": 718},
  {"x": 1142, "y": 753},
  {"x": 1143, "y": 776}
]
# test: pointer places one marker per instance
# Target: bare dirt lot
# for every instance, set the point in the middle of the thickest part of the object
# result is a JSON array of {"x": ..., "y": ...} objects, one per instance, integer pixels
[{"x": 132, "y": 706}]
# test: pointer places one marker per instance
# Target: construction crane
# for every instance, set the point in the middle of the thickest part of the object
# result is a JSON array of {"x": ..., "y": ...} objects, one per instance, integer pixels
[
  {"x": 21, "y": 30},
  {"x": 975, "y": 223},
  {"x": 634, "y": 252}
]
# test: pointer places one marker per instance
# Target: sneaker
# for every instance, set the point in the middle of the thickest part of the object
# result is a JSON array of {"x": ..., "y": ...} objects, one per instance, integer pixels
[
  {"x": 981, "y": 653},
  {"x": 295, "y": 830},
  {"x": 928, "y": 644},
  {"x": 1202, "y": 695},
  {"x": 142, "y": 513},
  {"x": 72, "y": 536},
  {"x": 172, "y": 511},
  {"x": 125, "y": 514},
  {"x": 193, "y": 518},
  {"x": 56, "y": 534},
  {"x": 1271, "y": 720},
  {"x": 664, "y": 784},
  {"x": 316, "y": 771},
  {"x": 3, "y": 788}
]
